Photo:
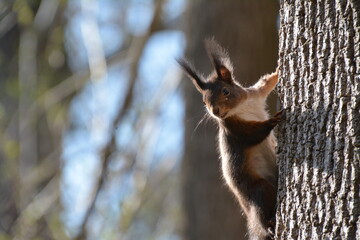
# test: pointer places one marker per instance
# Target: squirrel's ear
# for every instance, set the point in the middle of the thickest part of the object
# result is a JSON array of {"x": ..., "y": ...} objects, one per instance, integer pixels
[
  {"x": 220, "y": 60},
  {"x": 196, "y": 78}
]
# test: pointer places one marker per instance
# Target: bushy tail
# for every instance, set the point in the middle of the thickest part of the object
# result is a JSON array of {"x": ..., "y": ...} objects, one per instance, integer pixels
[{"x": 256, "y": 226}]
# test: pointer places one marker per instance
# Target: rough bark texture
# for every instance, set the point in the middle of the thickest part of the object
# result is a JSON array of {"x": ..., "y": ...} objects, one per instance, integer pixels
[
  {"x": 248, "y": 30},
  {"x": 319, "y": 143}
]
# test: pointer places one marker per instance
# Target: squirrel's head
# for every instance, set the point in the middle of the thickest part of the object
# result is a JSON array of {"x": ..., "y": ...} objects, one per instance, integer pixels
[{"x": 221, "y": 93}]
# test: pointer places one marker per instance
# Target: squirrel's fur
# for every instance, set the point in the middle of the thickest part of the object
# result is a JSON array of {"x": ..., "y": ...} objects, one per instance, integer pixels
[{"x": 246, "y": 142}]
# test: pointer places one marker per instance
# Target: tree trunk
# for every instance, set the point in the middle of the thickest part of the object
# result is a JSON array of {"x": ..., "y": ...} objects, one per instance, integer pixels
[
  {"x": 319, "y": 142},
  {"x": 248, "y": 30}
]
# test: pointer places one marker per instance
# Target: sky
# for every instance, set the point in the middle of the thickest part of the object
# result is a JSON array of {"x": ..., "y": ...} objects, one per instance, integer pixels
[{"x": 94, "y": 23}]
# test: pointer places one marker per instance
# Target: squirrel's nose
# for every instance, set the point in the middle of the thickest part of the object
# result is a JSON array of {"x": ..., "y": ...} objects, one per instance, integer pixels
[{"x": 216, "y": 111}]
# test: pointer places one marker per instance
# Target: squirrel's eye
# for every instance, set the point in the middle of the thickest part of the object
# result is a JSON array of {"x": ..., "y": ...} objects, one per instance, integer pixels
[{"x": 225, "y": 91}]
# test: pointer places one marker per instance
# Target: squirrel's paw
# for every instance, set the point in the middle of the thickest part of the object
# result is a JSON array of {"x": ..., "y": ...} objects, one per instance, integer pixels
[{"x": 277, "y": 117}]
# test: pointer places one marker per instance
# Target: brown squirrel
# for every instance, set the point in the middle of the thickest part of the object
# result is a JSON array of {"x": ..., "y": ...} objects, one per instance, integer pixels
[{"x": 247, "y": 145}]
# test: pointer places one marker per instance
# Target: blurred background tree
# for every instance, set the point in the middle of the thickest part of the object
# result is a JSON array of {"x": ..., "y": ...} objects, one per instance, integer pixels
[
  {"x": 95, "y": 121},
  {"x": 33, "y": 69}
]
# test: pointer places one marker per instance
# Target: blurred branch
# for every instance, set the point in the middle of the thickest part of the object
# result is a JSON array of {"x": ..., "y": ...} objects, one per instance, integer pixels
[
  {"x": 150, "y": 189},
  {"x": 135, "y": 53},
  {"x": 27, "y": 131},
  {"x": 44, "y": 170},
  {"x": 147, "y": 118},
  {"x": 7, "y": 22},
  {"x": 5, "y": 9},
  {"x": 74, "y": 83},
  {"x": 55, "y": 224},
  {"x": 64, "y": 89},
  {"x": 170, "y": 82},
  {"x": 46, "y": 14},
  {"x": 42, "y": 202},
  {"x": 93, "y": 45}
]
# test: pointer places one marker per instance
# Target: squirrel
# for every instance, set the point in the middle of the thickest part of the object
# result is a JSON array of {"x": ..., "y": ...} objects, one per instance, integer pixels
[{"x": 246, "y": 142}]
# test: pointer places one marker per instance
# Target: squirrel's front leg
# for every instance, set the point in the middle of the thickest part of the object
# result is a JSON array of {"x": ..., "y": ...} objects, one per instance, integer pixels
[{"x": 254, "y": 132}]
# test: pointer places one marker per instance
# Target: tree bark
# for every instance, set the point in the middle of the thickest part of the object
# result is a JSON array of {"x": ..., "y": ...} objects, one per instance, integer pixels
[
  {"x": 248, "y": 30},
  {"x": 319, "y": 142}
]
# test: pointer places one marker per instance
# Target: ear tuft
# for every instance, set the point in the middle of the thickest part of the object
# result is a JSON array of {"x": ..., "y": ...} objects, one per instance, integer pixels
[
  {"x": 220, "y": 59},
  {"x": 196, "y": 78}
]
